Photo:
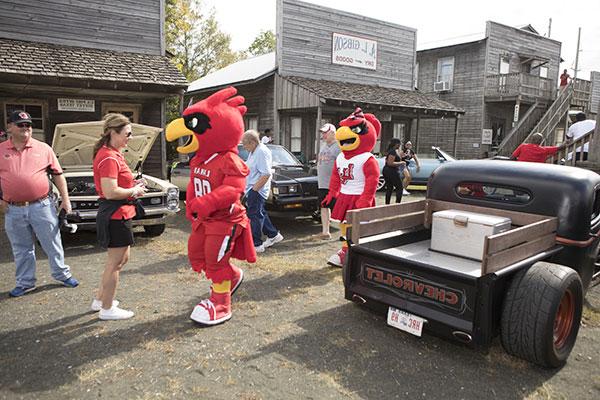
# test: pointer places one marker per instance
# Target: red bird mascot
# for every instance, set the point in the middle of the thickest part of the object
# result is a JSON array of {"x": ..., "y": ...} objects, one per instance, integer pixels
[
  {"x": 220, "y": 227},
  {"x": 355, "y": 172}
]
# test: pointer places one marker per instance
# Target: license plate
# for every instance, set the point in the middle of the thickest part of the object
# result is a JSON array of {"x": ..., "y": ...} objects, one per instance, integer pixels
[{"x": 405, "y": 321}]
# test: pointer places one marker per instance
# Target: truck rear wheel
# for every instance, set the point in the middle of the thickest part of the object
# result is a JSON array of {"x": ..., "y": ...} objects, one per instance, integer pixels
[{"x": 541, "y": 314}]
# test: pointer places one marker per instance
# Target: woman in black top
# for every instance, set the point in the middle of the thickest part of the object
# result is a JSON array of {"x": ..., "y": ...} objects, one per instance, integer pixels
[{"x": 393, "y": 171}]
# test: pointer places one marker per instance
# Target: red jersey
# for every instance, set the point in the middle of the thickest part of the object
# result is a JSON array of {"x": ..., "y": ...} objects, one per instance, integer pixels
[
  {"x": 110, "y": 163},
  {"x": 209, "y": 174},
  {"x": 533, "y": 152}
]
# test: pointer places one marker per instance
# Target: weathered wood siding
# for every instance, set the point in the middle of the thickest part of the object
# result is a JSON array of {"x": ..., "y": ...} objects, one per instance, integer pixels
[
  {"x": 595, "y": 101},
  {"x": 518, "y": 45},
  {"x": 291, "y": 96},
  {"x": 259, "y": 101},
  {"x": 467, "y": 93},
  {"x": 124, "y": 25},
  {"x": 304, "y": 45}
]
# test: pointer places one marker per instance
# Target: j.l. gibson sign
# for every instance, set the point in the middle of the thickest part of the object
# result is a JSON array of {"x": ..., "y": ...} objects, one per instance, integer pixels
[{"x": 354, "y": 51}]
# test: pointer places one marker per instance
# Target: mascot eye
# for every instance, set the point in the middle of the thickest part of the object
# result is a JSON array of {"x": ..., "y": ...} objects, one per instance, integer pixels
[
  {"x": 199, "y": 122},
  {"x": 356, "y": 129},
  {"x": 360, "y": 129}
]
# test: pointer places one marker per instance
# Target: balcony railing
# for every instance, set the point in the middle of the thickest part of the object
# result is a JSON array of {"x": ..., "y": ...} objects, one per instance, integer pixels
[{"x": 515, "y": 84}]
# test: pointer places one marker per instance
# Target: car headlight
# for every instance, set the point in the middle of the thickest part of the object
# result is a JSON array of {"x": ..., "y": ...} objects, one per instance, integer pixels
[
  {"x": 294, "y": 189},
  {"x": 286, "y": 189},
  {"x": 173, "y": 193},
  {"x": 172, "y": 204}
]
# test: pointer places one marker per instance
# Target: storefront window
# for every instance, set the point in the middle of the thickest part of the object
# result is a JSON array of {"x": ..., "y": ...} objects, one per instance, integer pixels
[{"x": 296, "y": 135}]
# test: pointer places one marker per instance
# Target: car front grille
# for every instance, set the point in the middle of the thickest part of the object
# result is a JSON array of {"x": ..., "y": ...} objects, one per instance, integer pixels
[{"x": 309, "y": 189}]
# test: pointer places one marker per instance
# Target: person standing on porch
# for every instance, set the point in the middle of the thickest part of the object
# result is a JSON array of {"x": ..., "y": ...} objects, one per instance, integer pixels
[
  {"x": 564, "y": 79},
  {"x": 325, "y": 161},
  {"x": 30, "y": 212}
]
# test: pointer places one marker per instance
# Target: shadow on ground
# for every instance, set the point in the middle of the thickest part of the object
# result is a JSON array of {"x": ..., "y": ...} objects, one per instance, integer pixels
[
  {"x": 371, "y": 360},
  {"x": 45, "y": 357}
]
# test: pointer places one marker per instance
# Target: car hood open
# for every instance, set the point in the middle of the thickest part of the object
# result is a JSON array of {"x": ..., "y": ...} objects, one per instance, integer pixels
[{"x": 74, "y": 144}]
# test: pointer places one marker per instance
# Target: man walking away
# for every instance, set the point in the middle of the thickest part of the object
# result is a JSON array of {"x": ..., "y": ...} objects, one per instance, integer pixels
[{"x": 327, "y": 156}]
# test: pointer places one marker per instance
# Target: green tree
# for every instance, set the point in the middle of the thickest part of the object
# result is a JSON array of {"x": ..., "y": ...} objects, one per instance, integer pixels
[
  {"x": 197, "y": 46},
  {"x": 195, "y": 40},
  {"x": 263, "y": 43}
]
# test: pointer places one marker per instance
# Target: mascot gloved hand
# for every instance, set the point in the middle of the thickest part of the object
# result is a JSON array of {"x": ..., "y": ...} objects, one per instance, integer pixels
[
  {"x": 355, "y": 172},
  {"x": 220, "y": 227}
]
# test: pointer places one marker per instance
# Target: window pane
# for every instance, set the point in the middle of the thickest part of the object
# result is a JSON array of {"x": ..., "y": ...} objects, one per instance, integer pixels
[
  {"x": 296, "y": 144},
  {"x": 487, "y": 192},
  {"x": 34, "y": 111}
]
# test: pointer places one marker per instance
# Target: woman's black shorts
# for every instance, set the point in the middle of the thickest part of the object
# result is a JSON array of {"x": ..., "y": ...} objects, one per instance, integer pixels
[
  {"x": 120, "y": 233},
  {"x": 322, "y": 193}
]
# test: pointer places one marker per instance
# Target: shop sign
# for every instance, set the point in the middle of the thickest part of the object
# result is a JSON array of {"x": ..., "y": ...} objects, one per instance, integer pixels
[
  {"x": 354, "y": 51},
  {"x": 82, "y": 105},
  {"x": 486, "y": 136}
]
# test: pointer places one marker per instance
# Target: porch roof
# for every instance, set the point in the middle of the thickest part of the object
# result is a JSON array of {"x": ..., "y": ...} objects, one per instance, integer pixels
[
  {"x": 58, "y": 61},
  {"x": 372, "y": 94}
]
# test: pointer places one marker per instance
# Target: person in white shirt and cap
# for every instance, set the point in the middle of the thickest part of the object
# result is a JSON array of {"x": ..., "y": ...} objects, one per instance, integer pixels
[
  {"x": 577, "y": 130},
  {"x": 327, "y": 155}
]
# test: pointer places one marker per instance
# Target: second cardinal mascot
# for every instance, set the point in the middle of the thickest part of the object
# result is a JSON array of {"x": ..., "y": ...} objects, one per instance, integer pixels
[
  {"x": 355, "y": 172},
  {"x": 220, "y": 227}
]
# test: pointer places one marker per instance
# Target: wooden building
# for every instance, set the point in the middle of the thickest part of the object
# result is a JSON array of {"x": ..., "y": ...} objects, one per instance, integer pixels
[
  {"x": 328, "y": 62},
  {"x": 72, "y": 61},
  {"x": 501, "y": 78}
]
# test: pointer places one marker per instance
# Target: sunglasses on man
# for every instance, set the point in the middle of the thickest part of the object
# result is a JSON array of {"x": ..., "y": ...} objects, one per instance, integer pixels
[{"x": 24, "y": 125}]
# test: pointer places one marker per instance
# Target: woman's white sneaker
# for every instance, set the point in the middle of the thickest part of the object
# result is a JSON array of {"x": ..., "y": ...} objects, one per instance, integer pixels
[
  {"x": 115, "y": 313},
  {"x": 97, "y": 304}
]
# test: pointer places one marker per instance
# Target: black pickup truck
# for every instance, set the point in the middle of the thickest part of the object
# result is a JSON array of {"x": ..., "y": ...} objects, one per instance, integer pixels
[{"x": 527, "y": 285}]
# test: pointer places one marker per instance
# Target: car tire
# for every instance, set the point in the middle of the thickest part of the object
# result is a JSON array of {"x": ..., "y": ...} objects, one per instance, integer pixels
[
  {"x": 154, "y": 230},
  {"x": 541, "y": 314}
]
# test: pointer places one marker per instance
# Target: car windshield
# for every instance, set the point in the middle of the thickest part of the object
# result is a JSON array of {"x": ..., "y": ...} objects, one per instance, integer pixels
[
  {"x": 279, "y": 153},
  {"x": 81, "y": 185}
]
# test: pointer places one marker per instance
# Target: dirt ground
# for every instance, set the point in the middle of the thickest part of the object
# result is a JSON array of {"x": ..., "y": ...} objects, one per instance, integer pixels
[{"x": 292, "y": 335}]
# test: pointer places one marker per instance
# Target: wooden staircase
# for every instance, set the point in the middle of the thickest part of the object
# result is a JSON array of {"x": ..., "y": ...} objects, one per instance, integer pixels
[
  {"x": 576, "y": 94},
  {"x": 520, "y": 131}
]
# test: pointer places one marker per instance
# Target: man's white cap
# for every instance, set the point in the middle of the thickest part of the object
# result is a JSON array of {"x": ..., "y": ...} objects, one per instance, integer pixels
[{"x": 327, "y": 128}]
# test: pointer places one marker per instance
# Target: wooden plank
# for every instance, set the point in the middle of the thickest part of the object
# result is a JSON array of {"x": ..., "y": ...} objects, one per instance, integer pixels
[
  {"x": 497, "y": 261},
  {"x": 378, "y": 212},
  {"x": 517, "y": 218},
  {"x": 403, "y": 221},
  {"x": 504, "y": 240}
]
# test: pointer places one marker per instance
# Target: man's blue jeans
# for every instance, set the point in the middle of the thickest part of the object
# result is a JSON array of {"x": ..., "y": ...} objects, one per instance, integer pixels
[
  {"x": 259, "y": 220},
  {"x": 21, "y": 223}
]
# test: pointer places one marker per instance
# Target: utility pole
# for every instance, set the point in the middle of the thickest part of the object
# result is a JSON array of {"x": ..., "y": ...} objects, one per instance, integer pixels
[{"x": 577, "y": 55}]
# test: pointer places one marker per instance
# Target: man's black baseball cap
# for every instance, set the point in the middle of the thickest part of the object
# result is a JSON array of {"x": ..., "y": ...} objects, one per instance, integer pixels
[{"x": 19, "y": 116}]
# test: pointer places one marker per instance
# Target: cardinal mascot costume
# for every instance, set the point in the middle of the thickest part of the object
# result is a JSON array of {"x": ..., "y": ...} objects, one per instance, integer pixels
[
  {"x": 220, "y": 227},
  {"x": 355, "y": 172}
]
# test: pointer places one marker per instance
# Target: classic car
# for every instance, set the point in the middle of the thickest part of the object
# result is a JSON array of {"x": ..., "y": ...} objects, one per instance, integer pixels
[
  {"x": 429, "y": 163},
  {"x": 74, "y": 143},
  {"x": 293, "y": 187},
  {"x": 525, "y": 282}
]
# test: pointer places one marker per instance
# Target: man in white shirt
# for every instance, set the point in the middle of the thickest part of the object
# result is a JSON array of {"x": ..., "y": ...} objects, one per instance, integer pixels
[{"x": 577, "y": 130}]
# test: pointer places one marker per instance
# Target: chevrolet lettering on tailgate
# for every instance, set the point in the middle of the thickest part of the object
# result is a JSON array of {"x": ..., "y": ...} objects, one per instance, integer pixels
[{"x": 409, "y": 285}]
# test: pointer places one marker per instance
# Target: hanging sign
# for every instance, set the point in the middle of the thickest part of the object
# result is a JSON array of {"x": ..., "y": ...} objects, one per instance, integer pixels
[{"x": 81, "y": 105}]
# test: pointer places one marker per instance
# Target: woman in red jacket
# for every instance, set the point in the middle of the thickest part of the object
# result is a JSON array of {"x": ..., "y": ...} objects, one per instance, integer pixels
[{"x": 117, "y": 190}]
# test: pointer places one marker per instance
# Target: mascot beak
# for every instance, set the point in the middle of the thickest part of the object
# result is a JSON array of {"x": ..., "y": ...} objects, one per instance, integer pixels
[
  {"x": 347, "y": 139},
  {"x": 177, "y": 129}
]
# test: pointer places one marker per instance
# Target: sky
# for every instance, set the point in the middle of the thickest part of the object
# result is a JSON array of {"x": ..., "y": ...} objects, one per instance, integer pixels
[{"x": 437, "y": 20}]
